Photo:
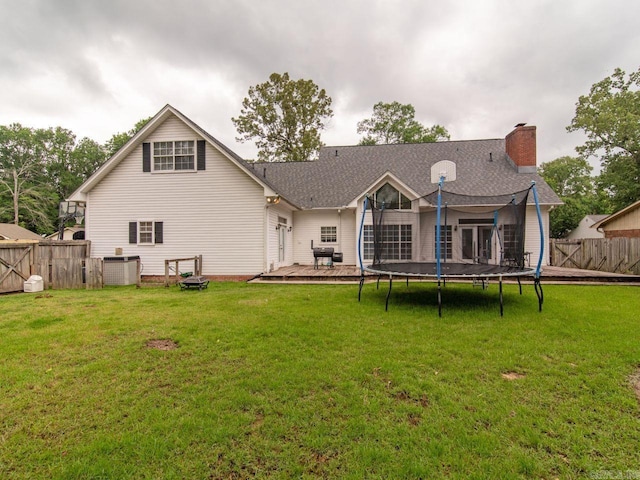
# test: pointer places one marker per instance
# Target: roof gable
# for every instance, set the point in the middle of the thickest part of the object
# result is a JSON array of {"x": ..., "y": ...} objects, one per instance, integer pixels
[
  {"x": 390, "y": 178},
  {"x": 155, "y": 122}
]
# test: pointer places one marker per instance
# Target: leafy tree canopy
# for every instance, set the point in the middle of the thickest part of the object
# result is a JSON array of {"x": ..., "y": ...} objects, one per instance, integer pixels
[
  {"x": 40, "y": 167},
  {"x": 27, "y": 194},
  {"x": 284, "y": 118},
  {"x": 571, "y": 179},
  {"x": 395, "y": 123},
  {"x": 610, "y": 117}
]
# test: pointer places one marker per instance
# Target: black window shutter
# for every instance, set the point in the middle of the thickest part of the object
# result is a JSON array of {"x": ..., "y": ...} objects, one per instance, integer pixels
[
  {"x": 158, "y": 232},
  {"x": 133, "y": 232},
  {"x": 146, "y": 157},
  {"x": 201, "y": 155}
]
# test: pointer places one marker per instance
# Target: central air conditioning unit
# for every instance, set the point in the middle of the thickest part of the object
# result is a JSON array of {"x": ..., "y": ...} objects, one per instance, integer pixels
[{"x": 120, "y": 270}]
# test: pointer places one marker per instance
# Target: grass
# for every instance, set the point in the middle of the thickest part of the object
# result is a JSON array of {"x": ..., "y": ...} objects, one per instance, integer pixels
[{"x": 294, "y": 381}]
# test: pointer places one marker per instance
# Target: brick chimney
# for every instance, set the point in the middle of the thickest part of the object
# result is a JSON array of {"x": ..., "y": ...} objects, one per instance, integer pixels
[{"x": 521, "y": 148}]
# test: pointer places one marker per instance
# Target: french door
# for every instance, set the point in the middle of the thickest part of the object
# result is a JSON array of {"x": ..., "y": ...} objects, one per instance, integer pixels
[{"x": 476, "y": 243}]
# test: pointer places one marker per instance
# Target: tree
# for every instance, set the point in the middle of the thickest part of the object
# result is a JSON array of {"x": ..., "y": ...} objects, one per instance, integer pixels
[
  {"x": 396, "y": 123},
  {"x": 117, "y": 140},
  {"x": 571, "y": 179},
  {"x": 610, "y": 117},
  {"x": 27, "y": 196},
  {"x": 284, "y": 117},
  {"x": 87, "y": 157}
]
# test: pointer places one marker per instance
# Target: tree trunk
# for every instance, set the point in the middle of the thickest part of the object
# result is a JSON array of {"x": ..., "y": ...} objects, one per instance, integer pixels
[{"x": 15, "y": 197}]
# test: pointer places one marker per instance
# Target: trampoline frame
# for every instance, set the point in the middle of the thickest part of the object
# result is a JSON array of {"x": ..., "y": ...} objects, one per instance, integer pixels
[{"x": 509, "y": 271}]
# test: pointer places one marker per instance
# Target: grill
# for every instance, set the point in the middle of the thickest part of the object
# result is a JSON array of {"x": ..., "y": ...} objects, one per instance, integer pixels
[{"x": 326, "y": 252}]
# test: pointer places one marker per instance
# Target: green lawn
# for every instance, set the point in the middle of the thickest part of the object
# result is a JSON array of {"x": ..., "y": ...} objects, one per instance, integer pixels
[{"x": 297, "y": 381}]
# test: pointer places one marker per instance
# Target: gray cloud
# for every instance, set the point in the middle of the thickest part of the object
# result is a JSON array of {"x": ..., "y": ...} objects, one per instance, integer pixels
[{"x": 475, "y": 67}]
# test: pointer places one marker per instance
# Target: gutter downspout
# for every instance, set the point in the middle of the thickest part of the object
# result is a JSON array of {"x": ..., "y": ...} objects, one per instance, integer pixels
[{"x": 265, "y": 259}]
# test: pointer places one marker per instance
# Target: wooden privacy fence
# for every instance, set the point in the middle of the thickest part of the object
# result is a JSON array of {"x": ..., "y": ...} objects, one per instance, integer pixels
[
  {"x": 615, "y": 255},
  {"x": 60, "y": 263}
]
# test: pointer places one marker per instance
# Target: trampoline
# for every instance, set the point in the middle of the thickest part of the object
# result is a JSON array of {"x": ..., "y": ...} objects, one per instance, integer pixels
[{"x": 462, "y": 237}]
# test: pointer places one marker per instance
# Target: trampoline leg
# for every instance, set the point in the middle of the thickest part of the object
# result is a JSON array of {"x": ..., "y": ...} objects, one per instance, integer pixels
[
  {"x": 519, "y": 285},
  {"x": 378, "y": 283},
  {"x": 501, "y": 299},
  {"x": 439, "y": 300},
  {"x": 360, "y": 289},
  {"x": 538, "y": 287},
  {"x": 386, "y": 305},
  {"x": 407, "y": 282}
]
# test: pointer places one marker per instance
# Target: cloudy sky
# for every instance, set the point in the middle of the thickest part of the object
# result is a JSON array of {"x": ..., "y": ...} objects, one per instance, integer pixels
[{"x": 477, "y": 67}]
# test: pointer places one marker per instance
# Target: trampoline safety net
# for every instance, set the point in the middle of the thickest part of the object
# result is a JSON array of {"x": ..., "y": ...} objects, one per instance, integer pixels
[
  {"x": 470, "y": 235},
  {"x": 447, "y": 235}
]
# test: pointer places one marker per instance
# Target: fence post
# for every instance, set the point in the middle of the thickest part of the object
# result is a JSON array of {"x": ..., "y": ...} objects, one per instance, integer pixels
[{"x": 166, "y": 273}]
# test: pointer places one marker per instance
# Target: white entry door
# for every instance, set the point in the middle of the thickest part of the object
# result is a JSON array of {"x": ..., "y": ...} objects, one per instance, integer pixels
[{"x": 282, "y": 238}]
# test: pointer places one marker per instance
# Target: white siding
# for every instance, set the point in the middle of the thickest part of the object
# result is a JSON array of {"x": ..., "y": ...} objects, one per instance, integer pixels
[
  {"x": 584, "y": 230},
  {"x": 275, "y": 232},
  {"x": 307, "y": 225},
  {"x": 532, "y": 235},
  {"x": 217, "y": 213}
]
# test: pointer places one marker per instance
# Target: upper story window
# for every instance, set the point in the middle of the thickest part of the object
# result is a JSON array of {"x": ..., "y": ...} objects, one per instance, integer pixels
[
  {"x": 178, "y": 155},
  {"x": 392, "y": 198}
]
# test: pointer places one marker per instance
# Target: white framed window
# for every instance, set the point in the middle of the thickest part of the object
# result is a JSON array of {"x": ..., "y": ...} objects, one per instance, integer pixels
[
  {"x": 395, "y": 242},
  {"x": 174, "y": 156},
  {"x": 512, "y": 243},
  {"x": 329, "y": 234},
  {"x": 392, "y": 198},
  {"x": 446, "y": 242},
  {"x": 145, "y": 232}
]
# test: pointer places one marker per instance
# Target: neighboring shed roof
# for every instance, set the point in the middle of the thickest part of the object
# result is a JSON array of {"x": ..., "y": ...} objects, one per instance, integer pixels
[
  {"x": 596, "y": 218},
  {"x": 10, "y": 231},
  {"x": 341, "y": 173},
  {"x": 616, "y": 215}
]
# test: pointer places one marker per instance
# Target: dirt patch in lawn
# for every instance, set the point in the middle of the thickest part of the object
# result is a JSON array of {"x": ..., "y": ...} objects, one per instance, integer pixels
[
  {"x": 635, "y": 383},
  {"x": 162, "y": 344},
  {"x": 512, "y": 375}
]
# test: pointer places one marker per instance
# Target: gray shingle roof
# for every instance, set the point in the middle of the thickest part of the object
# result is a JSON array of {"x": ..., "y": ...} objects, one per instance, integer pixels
[{"x": 341, "y": 174}]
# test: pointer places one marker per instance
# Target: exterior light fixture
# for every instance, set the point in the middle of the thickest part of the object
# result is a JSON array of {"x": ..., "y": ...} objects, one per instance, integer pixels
[{"x": 273, "y": 200}]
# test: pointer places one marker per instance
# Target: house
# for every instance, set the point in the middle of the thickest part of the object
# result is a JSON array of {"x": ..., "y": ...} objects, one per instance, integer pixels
[
  {"x": 623, "y": 223},
  {"x": 174, "y": 191},
  {"x": 70, "y": 233},
  {"x": 584, "y": 230},
  {"x": 10, "y": 231}
]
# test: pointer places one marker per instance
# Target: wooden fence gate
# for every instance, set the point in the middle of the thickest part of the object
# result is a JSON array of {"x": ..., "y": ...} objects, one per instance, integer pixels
[
  {"x": 60, "y": 263},
  {"x": 16, "y": 261},
  {"x": 615, "y": 255}
]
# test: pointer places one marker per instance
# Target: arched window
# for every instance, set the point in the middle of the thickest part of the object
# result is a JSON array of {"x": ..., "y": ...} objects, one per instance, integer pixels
[{"x": 392, "y": 198}]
